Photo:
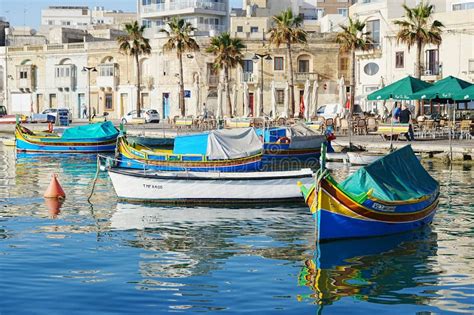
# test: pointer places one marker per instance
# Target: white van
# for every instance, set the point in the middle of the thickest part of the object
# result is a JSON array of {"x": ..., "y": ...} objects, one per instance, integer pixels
[{"x": 330, "y": 110}]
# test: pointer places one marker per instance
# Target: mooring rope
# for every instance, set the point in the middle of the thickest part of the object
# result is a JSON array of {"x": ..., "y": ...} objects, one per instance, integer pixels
[{"x": 95, "y": 179}]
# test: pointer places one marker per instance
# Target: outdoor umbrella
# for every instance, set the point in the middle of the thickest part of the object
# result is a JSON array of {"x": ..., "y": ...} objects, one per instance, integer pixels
[
  {"x": 314, "y": 101},
  {"x": 246, "y": 99},
  {"x": 234, "y": 100},
  {"x": 466, "y": 94},
  {"x": 306, "y": 94},
  {"x": 219, "y": 101},
  {"x": 442, "y": 89},
  {"x": 342, "y": 91},
  {"x": 286, "y": 100},
  {"x": 399, "y": 90},
  {"x": 274, "y": 97},
  {"x": 257, "y": 112}
]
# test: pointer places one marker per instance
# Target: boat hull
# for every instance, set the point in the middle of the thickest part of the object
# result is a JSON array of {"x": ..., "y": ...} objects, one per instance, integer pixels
[
  {"x": 274, "y": 151},
  {"x": 337, "y": 216},
  {"x": 209, "y": 187},
  {"x": 356, "y": 158}
]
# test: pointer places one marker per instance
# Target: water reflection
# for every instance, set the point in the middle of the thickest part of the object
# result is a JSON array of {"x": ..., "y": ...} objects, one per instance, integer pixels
[{"x": 373, "y": 270}]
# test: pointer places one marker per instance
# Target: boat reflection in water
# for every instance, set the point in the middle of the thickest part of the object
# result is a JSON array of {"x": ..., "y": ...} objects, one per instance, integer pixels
[
  {"x": 181, "y": 242},
  {"x": 384, "y": 270}
]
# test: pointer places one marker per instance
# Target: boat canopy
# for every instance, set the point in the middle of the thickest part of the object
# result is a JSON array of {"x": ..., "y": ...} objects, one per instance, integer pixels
[
  {"x": 220, "y": 144},
  {"x": 397, "y": 176},
  {"x": 92, "y": 131},
  {"x": 301, "y": 136}
]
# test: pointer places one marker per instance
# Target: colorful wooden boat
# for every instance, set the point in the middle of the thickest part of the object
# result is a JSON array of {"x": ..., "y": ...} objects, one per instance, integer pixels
[
  {"x": 393, "y": 194},
  {"x": 297, "y": 142},
  {"x": 93, "y": 138},
  {"x": 208, "y": 187},
  {"x": 235, "y": 150}
]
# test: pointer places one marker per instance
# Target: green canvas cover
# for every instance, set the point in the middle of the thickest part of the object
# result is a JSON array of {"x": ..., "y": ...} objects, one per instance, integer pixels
[
  {"x": 90, "y": 132},
  {"x": 466, "y": 94},
  {"x": 395, "y": 177},
  {"x": 399, "y": 90}
]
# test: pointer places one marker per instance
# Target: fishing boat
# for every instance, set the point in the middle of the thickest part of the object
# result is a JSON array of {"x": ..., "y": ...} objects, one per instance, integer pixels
[
  {"x": 92, "y": 138},
  {"x": 363, "y": 158},
  {"x": 391, "y": 195},
  {"x": 208, "y": 187},
  {"x": 227, "y": 150},
  {"x": 297, "y": 141}
]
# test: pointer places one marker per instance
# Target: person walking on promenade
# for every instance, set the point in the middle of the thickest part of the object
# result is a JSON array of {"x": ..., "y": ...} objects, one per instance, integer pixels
[
  {"x": 396, "y": 114},
  {"x": 405, "y": 118},
  {"x": 84, "y": 111}
]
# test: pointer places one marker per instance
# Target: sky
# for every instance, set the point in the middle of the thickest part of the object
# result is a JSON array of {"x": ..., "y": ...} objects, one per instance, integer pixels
[{"x": 28, "y": 12}]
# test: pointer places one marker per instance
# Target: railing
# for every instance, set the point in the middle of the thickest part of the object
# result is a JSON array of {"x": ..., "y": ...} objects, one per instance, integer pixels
[
  {"x": 248, "y": 77},
  {"x": 184, "y": 4},
  {"x": 303, "y": 76}
]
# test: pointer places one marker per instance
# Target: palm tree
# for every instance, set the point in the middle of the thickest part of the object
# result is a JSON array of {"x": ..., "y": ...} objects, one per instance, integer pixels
[
  {"x": 418, "y": 30},
  {"x": 287, "y": 30},
  {"x": 135, "y": 44},
  {"x": 179, "y": 38},
  {"x": 352, "y": 38},
  {"x": 228, "y": 52}
]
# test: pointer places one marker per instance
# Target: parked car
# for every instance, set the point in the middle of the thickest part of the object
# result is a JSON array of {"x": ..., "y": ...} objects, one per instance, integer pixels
[
  {"x": 150, "y": 115},
  {"x": 10, "y": 119},
  {"x": 46, "y": 115}
]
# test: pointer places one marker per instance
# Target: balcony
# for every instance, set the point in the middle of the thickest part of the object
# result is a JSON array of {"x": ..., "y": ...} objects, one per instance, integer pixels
[
  {"x": 25, "y": 78},
  {"x": 108, "y": 76},
  {"x": 248, "y": 77},
  {"x": 65, "y": 77},
  {"x": 183, "y": 7},
  {"x": 303, "y": 76},
  {"x": 431, "y": 72}
]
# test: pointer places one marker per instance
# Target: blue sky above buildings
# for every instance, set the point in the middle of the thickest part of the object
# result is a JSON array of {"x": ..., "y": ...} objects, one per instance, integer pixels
[{"x": 28, "y": 12}]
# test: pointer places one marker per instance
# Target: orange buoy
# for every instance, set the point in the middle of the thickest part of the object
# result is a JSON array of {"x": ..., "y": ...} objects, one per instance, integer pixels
[
  {"x": 54, "y": 206},
  {"x": 54, "y": 189}
]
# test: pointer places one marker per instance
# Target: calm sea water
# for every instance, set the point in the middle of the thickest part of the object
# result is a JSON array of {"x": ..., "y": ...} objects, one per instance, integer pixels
[{"x": 110, "y": 257}]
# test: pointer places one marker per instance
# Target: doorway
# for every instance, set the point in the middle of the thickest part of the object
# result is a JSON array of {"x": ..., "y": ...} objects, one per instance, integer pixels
[
  {"x": 52, "y": 101},
  {"x": 123, "y": 103},
  {"x": 39, "y": 102},
  {"x": 81, "y": 104},
  {"x": 166, "y": 105}
]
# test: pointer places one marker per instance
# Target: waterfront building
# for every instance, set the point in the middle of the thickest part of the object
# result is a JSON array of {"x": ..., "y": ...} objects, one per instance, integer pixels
[
  {"x": 82, "y": 17},
  {"x": 389, "y": 60},
  {"x": 210, "y": 17}
]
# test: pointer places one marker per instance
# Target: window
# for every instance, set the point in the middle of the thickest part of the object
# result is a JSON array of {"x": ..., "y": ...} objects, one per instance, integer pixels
[
  {"x": 399, "y": 59},
  {"x": 247, "y": 66},
  {"x": 254, "y": 29},
  {"x": 344, "y": 64},
  {"x": 471, "y": 66},
  {"x": 84, "y": 11},
  {"x": 146, "y": 2},
  {"x": 463, "y": 6},
  {"x": 371, "y": 68},
  {"x": 280, "y": 96},
  {"x": 278, "y": 64},
  {"x": 240, "y": 29},
  {"x": 342, "y": 11},
  {"x": 374, "y": 28},
  {"x": 319, "y": 13},
  {"x": 108, "y": 101},
  {"x": 23, "y": 74},
  {"x": 303, "y": 66},
  {"x": 432, "y": 62}
]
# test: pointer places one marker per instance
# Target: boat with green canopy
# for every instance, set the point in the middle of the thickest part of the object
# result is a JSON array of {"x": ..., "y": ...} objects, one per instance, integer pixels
[
  {"x": 92, "y": 138},
  {"x": 391, "y": 195}
]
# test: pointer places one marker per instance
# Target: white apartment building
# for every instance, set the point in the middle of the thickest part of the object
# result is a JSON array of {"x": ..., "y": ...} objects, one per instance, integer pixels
[
  {"x": 82, "y": 17},
  {"x": 390, "y": 61},
  {"x": 210, "y": 17}
]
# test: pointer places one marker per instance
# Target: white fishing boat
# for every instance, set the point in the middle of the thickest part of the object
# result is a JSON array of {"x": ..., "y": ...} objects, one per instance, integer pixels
[
  {"x": 209, "y": 187},
  {"x": 363, "y": 158}
]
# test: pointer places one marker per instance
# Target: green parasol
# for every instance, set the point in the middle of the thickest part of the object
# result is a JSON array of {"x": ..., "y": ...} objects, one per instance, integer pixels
[
  {"x": 442, "y": 89},
  {"x": 399, "y": 90},
  {"x": 466, "y": 94}
]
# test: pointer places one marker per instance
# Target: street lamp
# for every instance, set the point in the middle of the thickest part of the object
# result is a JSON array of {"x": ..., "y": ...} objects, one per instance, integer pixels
[
  {"x": 88, "y": 70},
  {"x": 255, "y": 59}
]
